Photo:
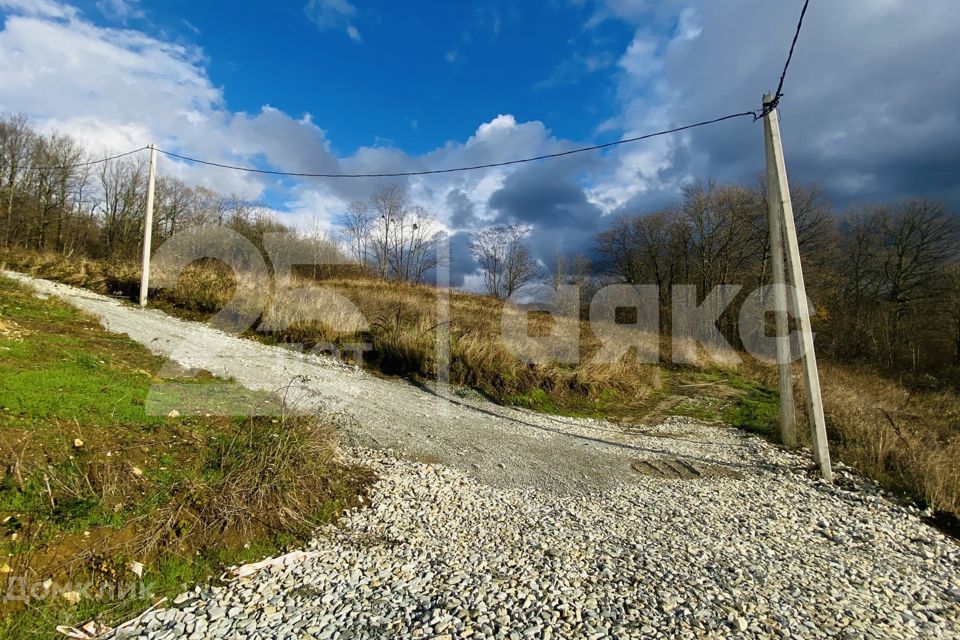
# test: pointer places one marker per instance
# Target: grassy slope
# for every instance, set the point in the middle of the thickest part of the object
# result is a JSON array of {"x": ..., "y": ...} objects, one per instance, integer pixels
[
  {"x": 89, "y": 474},
  {"x": 402, "y": 326},
  {"x": 906, "y": 439}
]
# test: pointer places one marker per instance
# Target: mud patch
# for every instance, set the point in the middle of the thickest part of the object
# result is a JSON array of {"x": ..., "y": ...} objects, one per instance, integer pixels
[{"x": 677, "y": 469}]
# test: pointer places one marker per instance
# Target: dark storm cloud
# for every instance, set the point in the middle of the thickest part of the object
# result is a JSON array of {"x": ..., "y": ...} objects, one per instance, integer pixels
[
  {"x": 872, "y": 104},
  {"x": 462, "y": 210},
  {"x": 554, "y": 205},
  {"x": 542, "y": 195},
  {"x": 646, "y": 203}
]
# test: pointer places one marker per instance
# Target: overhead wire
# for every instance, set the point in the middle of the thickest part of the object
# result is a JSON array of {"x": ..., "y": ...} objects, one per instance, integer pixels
[
  {"x": 756, "y": 115},
  {"x": 89, "y": 162},
  {"x": 490, "y": 165},
  {"x": 775, "y": 101}
]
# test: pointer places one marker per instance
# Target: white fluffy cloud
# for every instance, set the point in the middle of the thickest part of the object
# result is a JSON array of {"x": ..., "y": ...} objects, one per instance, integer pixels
[
  {"x": 119, "y": 89},
  {"x": 121, "y": 10},
  {"x": 870, "y": 111},
  {"x": 335, "y": 15}
]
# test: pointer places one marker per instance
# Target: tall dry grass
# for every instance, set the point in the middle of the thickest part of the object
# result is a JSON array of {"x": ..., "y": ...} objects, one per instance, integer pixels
[
  {"x": 402, "y": 325},
  {"x": 906, "y": 439},
  {"x": 909, "y": 440},
  {"x": 264, "y": 478},
  {"x": 398, "y": 319},
  {"x": 108, "y": 278}
]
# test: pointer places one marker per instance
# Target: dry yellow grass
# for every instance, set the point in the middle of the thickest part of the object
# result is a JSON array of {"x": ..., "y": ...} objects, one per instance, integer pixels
[
  {"x": 907, "y": 440},
  {"x": 399, "y": 320},
  {"x": 403, "y": 323}
]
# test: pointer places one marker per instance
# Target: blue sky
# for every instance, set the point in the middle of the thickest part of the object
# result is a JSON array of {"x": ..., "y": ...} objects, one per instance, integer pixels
[
  {"x": 414, "y": 75},
  {"x": 356, "y": 86}
]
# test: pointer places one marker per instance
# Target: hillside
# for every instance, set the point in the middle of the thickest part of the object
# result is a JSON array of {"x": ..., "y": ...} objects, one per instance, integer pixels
[
  {"x": 488, "y": 519},
  {"x": 108, "y": 504},
  {"x": 905, "y": 438}
]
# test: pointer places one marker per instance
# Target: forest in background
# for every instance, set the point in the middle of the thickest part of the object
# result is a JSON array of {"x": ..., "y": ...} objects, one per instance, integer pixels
[{"x": 884, "y": 278}]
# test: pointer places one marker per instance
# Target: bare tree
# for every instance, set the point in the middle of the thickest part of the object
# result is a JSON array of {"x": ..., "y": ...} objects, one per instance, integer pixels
[
  {"x": 122, "y": 192},
  {"x": 357, "y": 224},
  {"x": 175, "y": 204},
  {"x": 917, "y": 240},
  {"x": 388, "y": 205},
  {"x": 53, "y": 181},
  {"x": 953, "y": 307},
  {"x": 47, "y": 202},
  {"x": 210, "y": 207},
  {"x": 504, "y": 258},
  {"x": 323, "y": 249},
  {"x": 414, "y": 251},
  {"x": 720, "y": 231},
  {"x": 402, "y": 236},
  {"x": 618, "y": 252},
  {"x": 16, "y": 147}
]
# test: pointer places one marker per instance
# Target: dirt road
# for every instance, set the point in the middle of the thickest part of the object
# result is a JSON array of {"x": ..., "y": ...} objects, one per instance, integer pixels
[
  {"x": 497, "y": 445},
  {"x": 547, "y": 527}
]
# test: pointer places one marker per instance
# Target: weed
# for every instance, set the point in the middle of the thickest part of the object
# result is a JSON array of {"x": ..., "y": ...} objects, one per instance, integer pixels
[
  {"x": 906, "y": 439},
  {"x": 93, "y": 481}
]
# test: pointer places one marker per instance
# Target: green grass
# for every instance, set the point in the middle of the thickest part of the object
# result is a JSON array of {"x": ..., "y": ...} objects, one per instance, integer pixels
[
  {"x": 757, "y": 411},
  {"x": 96, "y": 378},
  {"x": 90, "y": 469},
  {"x": 609, "y": 404},
  {"x": 536, "y": 400},
  {"x": 65, "y": 380},
  {"x": 730, "y": 398}
]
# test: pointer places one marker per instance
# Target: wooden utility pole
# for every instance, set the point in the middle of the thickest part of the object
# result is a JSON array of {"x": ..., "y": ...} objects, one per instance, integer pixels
[
  {"x": 148, "y": 228},
  {"x": 779, "y": 196}
]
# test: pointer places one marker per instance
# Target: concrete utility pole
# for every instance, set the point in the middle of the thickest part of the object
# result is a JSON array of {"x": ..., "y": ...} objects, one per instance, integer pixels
[
  {"x": 780, "y": 197},
  {"x": 788, "y": 419},
  {"x": 148, "y": 228}
]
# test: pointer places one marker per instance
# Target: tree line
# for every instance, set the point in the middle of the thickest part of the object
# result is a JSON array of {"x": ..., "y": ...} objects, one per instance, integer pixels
[
  {"x": 884, "y": 279},
  {"x": 48, "y": 202},
  {"x": 53, "y": 201}
]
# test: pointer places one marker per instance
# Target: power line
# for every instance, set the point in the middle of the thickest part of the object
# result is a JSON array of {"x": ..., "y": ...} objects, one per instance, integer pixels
[
  {"x": 491, "y": 165},
  {"x": 770, "y": 106},
  {"x": 767, "y": 108},
  {"x": 399, "y": 174},
  {"x": 89, "y": 163},
  {"x": 756, "y": 115}
]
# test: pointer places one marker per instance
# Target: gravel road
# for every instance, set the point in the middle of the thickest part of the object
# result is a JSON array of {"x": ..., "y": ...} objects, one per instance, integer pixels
[{"x": 492, "y": 522}]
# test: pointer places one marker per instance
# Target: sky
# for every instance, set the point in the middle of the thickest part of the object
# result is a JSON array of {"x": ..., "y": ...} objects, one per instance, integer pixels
[{"x": 355, "y": 86}]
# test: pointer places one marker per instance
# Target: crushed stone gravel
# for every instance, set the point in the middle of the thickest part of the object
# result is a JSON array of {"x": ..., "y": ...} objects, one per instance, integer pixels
[{"x": 526, "y": 526}]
